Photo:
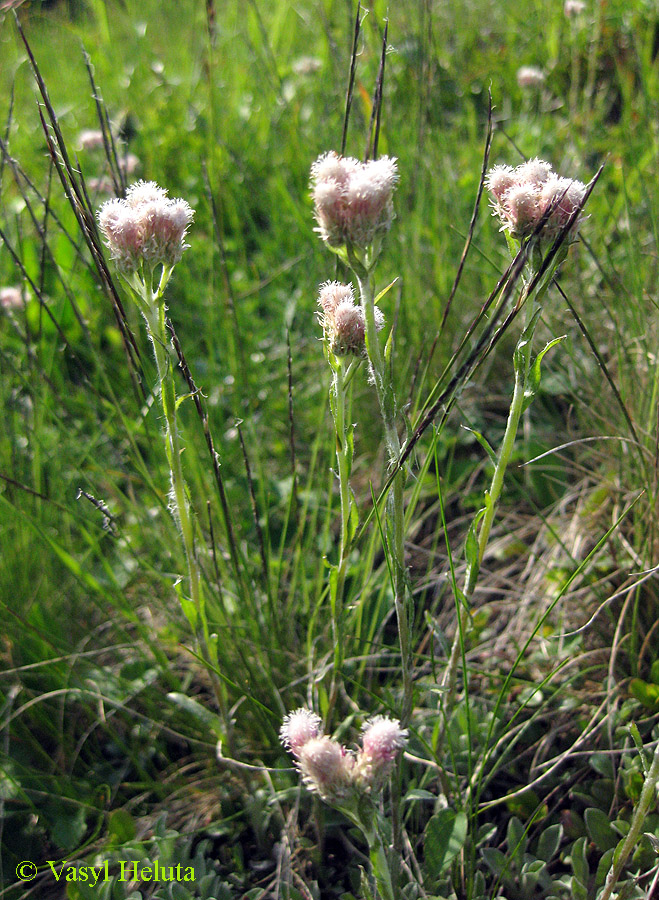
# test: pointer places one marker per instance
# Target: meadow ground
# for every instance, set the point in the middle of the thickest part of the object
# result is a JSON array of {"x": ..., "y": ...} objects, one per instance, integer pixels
[{"x": 140, "y": 715}]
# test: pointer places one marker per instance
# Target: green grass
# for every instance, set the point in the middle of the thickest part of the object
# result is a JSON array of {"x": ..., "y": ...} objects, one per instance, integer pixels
[{"x": 101, "y": 745}]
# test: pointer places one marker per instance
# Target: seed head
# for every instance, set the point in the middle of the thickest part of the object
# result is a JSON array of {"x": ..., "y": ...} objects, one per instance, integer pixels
[
  {"x": 298, "y": 728},
  {"x": 326, "y": 768}
]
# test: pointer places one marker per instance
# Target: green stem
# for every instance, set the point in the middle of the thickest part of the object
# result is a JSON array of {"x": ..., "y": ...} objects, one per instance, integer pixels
[
  {"x": 153, "y": 310},
  {"x": 380, "y": 865},
  {"x": 646, "y": 800},
  {"x": 449, "y": 681},
  {"x": 395, "y": 501},
  {"x": 343, "y": 460}
]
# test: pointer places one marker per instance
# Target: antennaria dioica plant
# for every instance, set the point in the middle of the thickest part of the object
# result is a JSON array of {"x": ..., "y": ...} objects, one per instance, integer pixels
[
  {"x": 357, "y": 349},
  {"x": 146, "y": 235}
]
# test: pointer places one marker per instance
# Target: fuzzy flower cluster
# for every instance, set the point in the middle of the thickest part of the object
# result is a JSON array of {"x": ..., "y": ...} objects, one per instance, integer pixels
[
  {"x": 353, "y": 200},
  {"x": 334, "y": 772},
  {"x": 343, "y": 320},
  {"x": 522, "y": 196},
  {"x": 146, "y": 228}
]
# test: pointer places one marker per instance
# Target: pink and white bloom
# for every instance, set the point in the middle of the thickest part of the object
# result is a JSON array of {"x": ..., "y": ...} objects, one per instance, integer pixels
[
  {"x": 353, "y": 200},
  {"x": 145, "y": 228},
  {"x": 91, "y": 138},
  {"x": 530, "y": 76},
  {"x": 326, "y": 768},
  {"x": 573, "y": 8},
  {"x": 382, "y": 741},
  {"x": 11, "y": 298},
  {"x": 522, "y": 196},
  {"x": 343, "y": 321},
  {"x": 298, "y": 728}
]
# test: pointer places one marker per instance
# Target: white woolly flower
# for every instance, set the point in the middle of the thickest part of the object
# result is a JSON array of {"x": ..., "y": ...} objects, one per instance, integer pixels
[
  {"x": 298, "y": 728},
  {"x": 353, "y": 200},
  {"x": 146, "y": 227},
  {"x": 343, "y": 321},
  {"x": 382, "y": 740},
  {"x": 522, "y": 196},
  {"x": 326, "y": 768},
  {"x": 91, "y": 139},
  {"x": 530, "y": 76},
  {"x": 11, "y": 298}
]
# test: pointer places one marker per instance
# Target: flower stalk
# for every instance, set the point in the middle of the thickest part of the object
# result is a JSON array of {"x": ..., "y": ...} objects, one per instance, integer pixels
[
  {"x": 534, "y": 204},
  {"x": 629, "y": 844},
  {"x": 395, "y": 502},
  {"x": 146, "y": 232},
  {"x": 350, "y": 781}
]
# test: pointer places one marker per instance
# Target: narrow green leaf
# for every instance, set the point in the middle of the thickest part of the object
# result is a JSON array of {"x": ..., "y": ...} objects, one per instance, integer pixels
[
  {"x": 535, "y": 373},
  {"x": 483, "y": 442}
]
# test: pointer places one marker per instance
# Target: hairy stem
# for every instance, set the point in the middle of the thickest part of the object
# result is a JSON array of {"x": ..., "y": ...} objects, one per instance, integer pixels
[
  {"x": 153, "y": 310},
  {"x": 395, "y": 501},
  {"x": 522, "y": 368},
  {"x": 646, "y": 800},
  {"x": 343, "y": 460}
]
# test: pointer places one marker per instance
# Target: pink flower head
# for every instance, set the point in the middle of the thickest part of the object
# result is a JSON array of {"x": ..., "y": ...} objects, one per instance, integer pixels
[
  {"x": 332, "y": 294},
  {"x": 143, "y": 192},
  {"x": 146, "y": 227},
  {"x": 573, "y": 8},
  {"x": 533, "y": 172},
  {"x": 91, "y": 139},
  {"x": 521, "y": 205},
  {"x": 499, "y": 180},
  {"x": 564, "y": 195},
  {"x": 522, "y": 196},
  {"x": 343, "y": 321},
  {"x": 326, "y": 768},
  {"x": 353, "y": 200},
  {"x": 530, "y": 76},
  {"x": 382, "y": 740},
  {"x": 298, "y": 728},
  {"x": 11, "y": 298}
]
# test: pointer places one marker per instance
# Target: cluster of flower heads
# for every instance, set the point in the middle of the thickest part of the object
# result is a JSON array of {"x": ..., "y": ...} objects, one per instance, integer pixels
[
  {"x": 522, "y": 196},
  {"x": 353, "y": 200},
  {"x": 146, "y": 228},
  {"x": 334, "y": 772},
  {"x": 343, "y": 320}
]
